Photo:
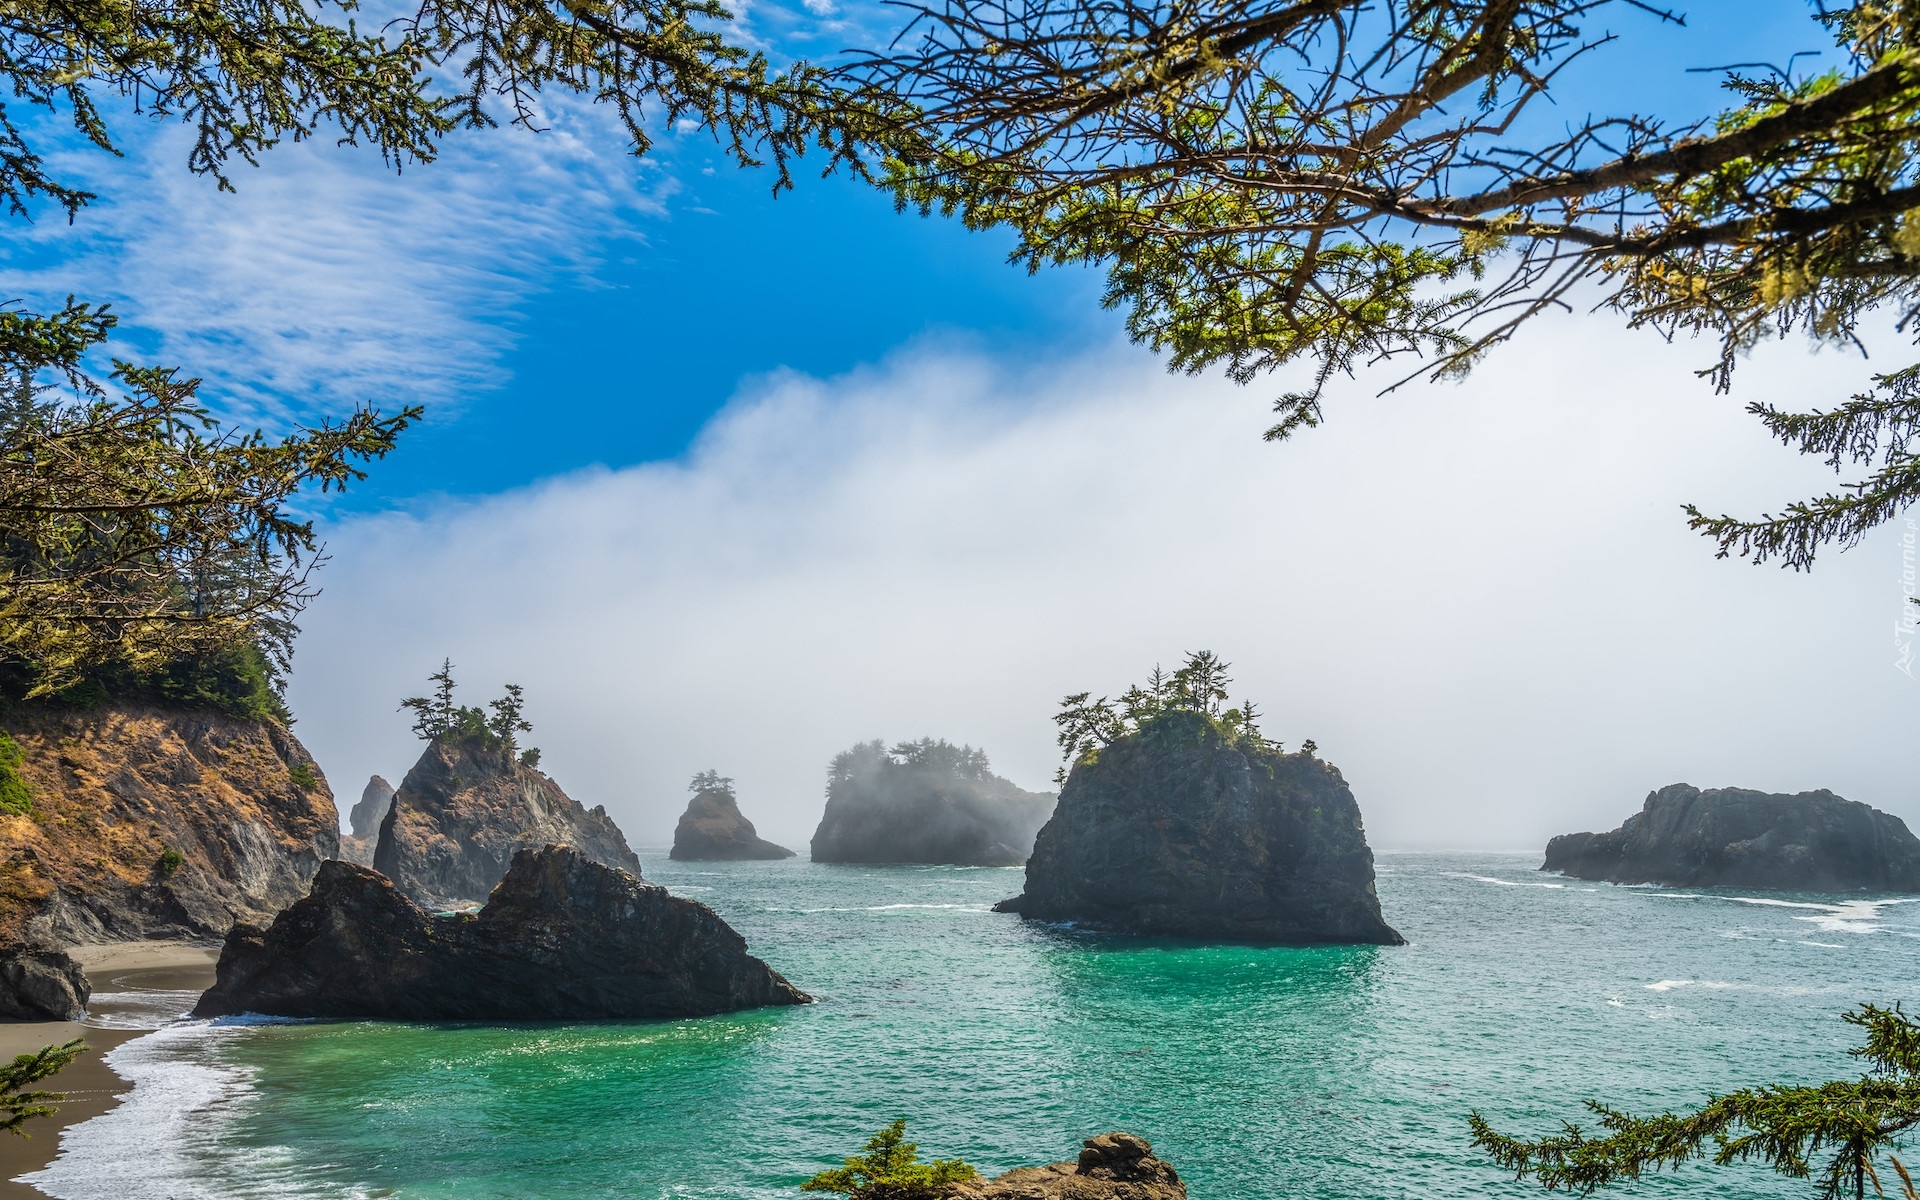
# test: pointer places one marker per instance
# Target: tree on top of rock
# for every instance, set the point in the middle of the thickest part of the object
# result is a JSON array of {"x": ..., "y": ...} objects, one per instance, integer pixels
[
  {"x": 1199, "y": 686},
  {"x": 438, "y": 718},
  {"x": 711, "y": 781}
]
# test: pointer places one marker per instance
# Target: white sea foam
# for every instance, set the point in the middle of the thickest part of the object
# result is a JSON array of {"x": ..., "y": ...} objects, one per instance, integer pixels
[
  {"x": 145, "y": 1008},
  {"x": 1503, "y": 882},
  {"x": 982, "y": 908},
  {"x": 1668, "y": 985},
  {"x": 1846, "y": 916}
]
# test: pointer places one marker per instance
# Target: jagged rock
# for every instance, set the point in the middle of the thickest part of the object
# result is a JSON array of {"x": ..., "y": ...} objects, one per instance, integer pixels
[
  {"x": 713, "y": 830},
  {"x": 465, "y": 809},
  {"x": 1176, "y": 830},
  {"x": 151, "y": 823},
  {"x": 925, "y": 802},
  {"x": 1732, "y": 837},
  {"x": 375, "y": 799},
  {"x": 38, "y": 983},
  {"x": 1113, "y": 1166},
  {"x": 561, "y": 938}
]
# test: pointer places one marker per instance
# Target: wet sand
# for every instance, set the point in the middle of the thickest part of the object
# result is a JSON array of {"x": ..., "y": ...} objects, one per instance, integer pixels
[{"x": 119, "y": 973}]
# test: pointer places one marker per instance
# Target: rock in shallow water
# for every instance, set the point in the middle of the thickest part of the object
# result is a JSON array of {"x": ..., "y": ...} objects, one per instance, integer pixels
[
  {"x": 1113, "y": 1166},
  {"x": 1732, "y": 837},
  {"x": 561, "y": 938},
  {"x": 714, "y": 830},
  {"x": 42, "y": 984}
]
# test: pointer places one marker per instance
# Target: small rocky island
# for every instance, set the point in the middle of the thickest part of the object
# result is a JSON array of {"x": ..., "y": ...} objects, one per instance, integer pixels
[
  {"x": 1179, "y": 818},
  {"x": 561, "y": 938},
  {"x": 1113, "y": 1166},
  {"x": 474, "y": 800},
  {"x": 365, "y": 820},
  {"x": 1732, "y": 837},
  {"x": 928, "y": 801},
  {"x": 713, "y": 829}
]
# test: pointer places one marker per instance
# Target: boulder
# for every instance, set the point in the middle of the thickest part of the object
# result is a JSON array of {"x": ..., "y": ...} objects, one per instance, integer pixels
[
  {"x": 1180, "y": 829},
  {"x": 925, "y": 802},
  {"x": 147, "y": 822},
  {"x": 562, "y": 938},
  {"x": 364, "y": 822},
  {"x": 713, "y": 830},
  {"x": 38, "y": 983},
  {"x": 1732, "y": 837},
  {"x": 465, "y": 810},
  {"x": 1113, "y": 1166}
]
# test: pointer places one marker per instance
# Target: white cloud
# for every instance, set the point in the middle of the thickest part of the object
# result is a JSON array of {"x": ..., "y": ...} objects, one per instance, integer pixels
[{"x": 1480, "y": 600}]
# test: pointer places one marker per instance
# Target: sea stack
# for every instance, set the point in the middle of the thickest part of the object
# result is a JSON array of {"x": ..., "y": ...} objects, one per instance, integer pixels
[
  {"x": 713, "y": 829},
  {"x": 925, "y": 802},
  {"x": 1732, "y": 837},
  {"x": 364, "y": 822},
  {"x": 562, "y": 938},
  {"x": 463, "y": 812},
  {"x": 1113, "y": 1166}
]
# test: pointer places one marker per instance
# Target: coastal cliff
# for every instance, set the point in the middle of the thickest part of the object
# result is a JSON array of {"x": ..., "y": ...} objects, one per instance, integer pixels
[
  {"x": 363, "y": 823},
  {"x": 561, "y": 938},
  {"x": 714, "y": 830},
  {"x": 141, "y": 822},
  {"x": 925, "y": 802},
  {"x": 465, "y": 810},
  {"x": 1178, "y": 828},
  {"x": 1113, "y": 1166},
  {"x": 1732, "y": 837}
]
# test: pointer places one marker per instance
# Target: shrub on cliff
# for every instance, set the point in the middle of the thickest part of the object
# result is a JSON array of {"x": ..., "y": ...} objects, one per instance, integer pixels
[
  {"x": 1199, "y": 687},
  {"x": 437, "y": 717},
  {"x": 241, "y": 680},
  {"x": 891, "y": 1170}
]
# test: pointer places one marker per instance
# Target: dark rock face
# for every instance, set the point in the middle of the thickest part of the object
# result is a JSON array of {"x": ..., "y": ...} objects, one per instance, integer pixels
[
  {"x": 462, "y": 813},
  {"x": 713, "y": 830},
  {"x": 562, "y": 938},
  {"x": 925, "y": 802},
  {"x": 156, "y": 823},
  {"x": 41, "y": 984},
  {"x": 1171, "y": 830},
  {"x": 1732, "y": 837},
  {"x": 1113, "y": 1166},
  {"x": 375, "y": 799}
]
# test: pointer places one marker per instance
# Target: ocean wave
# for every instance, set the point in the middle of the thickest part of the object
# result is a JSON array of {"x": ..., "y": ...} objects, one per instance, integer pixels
[
  {"x": 983, "y": 908},
  {"x": 1845, "y": 916},
  {"x": 1503, "y": 882},
  {"x": 145, "y": 1008}
]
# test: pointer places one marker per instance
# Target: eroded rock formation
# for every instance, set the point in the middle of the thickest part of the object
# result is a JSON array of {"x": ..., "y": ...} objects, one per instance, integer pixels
[
  {"x": 1178, "y": 829},
  {"x": 1731, "y": 837},
  {"x": 38, "y": 983},
  {"x": 149, "y": 823},
  {"x": 1113, "y": 1166},
  {"x": 925, "y": 802},
  {"x": 713, "y": 830},
  {"x": 465, "y": 810},
  {"x": 561, "y": 938},
  {"x": 364, "y": 822}
]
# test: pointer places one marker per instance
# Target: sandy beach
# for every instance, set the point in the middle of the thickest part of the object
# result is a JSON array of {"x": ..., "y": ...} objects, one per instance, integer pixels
[{"x": 120, "y": 973}]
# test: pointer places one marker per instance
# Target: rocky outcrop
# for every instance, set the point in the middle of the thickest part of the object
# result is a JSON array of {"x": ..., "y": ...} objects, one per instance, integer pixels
[
  {"x": 38, "y": 983},
  {"x": 1732, "y": 837},
  {"x": 150, "y": 823},
  {"x": 1178, "y": 829},
  {"x": 713, "y": 830},
  {"x": 925, "y": 802},
  {"x": 364, "y": 822},
  {"x": 466, "y": 809},
  {"x": 561, "y": 938},
  {"x": 1113, "y": 1166}
]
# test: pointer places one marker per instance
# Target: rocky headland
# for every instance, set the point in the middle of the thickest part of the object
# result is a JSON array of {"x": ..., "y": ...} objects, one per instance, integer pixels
[
  {"x": 925, "y": 802},
  {"x": 1187, "y": 826},
  {"x": 1113, "y": 1166},
  {"x": 714, "y": 830},
  {"x": 38, "y": 983},
  {"x": 364, "y": 822},
  {"x": 561, "y": 938},
  {"x": 1732, "y": 837},
  {"x": 463, "y": 812},
  {"x": 141, "y": 822}
]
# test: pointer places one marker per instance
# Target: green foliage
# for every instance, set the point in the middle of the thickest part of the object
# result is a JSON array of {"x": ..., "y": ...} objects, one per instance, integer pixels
[
  {"x": 437, "y": 717},
  {"x": 303, "y": 776},
  {"x": 891, "y": 1170},
  {"x": 240, "y": 681},
  {"x": 169, "y": 862},
  {"x": 16, "y": 794},
  {"x": 20, "y": 1105},
  {"x": 1199, "y": 687},
  {"x": 530, "y": 757},
  {"x": 1851, "y": 1123},
  {"x": 931, "y": 756},
  {"x": 711, "y": 781}
]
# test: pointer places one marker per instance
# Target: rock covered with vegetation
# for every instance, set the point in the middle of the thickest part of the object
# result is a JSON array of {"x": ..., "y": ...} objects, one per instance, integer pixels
[
  {"x": 713, "y": 829},
  {"x": 364, "y": 822},
  {"x": 561, "y": 938},
  {"x": 474, "y": 800},
  {"x": 1731, "y": 837},
  {"x": 925, "y": 802},
  {"x": 128, "y": 820},
  {"x": 1180, "y": 818}
]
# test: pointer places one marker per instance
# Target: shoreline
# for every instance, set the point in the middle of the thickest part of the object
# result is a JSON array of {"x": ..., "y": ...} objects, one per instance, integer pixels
[{"x": 120, "y": 973}]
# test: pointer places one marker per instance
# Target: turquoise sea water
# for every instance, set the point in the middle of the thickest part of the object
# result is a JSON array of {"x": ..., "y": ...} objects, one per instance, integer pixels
[{"x": 1330, "y": 1072}]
